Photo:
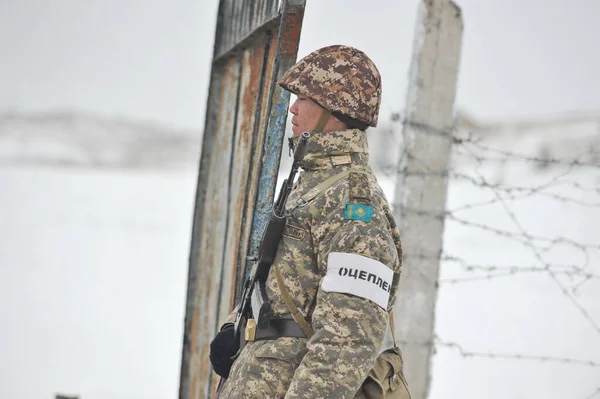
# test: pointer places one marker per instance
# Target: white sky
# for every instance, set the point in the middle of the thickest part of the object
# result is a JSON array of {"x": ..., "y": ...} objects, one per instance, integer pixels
[{"x": 150, "y": 59}]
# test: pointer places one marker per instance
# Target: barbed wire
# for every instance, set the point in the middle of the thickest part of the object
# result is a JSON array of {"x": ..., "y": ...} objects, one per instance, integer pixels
[
  {"x": 460, "y": 136},
  {"x": 560, "y": 267},
  {"x": 529, "y": 191},
  {"x": 593, "y": 395},
  {"x": 499, "y": 271},
  {"x": 481, "y": 161},
  {"x": 522, "y": 237},
  {"x": 528, "y": 240},
  {"x": 508, "y": 156},
  {"x": 511, "y": 272},
  {"x": 539, "y": 257},
  {"x": 514, "y": 356},
  {"x": 521, "y": 196},
  {"x": 439, "y": 342},
  {"x": 507, "y": 192}
]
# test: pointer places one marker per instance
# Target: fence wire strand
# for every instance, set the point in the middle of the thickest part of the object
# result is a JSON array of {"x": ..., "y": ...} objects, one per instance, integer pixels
[
  {"x": 595, "y": 394},
  {"x": 473, "y": 159},
  {"x": 514, "y": 356}
]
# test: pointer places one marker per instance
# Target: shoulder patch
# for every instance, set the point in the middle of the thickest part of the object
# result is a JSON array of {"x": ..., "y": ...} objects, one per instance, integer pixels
[
  {"x": 360, "y": 187},
  {"x": 360, "y": 212},
  {"x": 359, "y": 276}
]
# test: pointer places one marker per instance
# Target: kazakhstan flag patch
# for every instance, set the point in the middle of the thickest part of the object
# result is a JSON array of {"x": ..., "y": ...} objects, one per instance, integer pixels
[{"x": 360, "y": 212}]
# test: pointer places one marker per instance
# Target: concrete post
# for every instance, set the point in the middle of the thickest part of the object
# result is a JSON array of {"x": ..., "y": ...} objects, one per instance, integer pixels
[{"x": 421, "y": 184}]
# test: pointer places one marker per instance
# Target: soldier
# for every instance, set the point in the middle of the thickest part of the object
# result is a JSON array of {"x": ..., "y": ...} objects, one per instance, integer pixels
[{"x": 338, "y": 263}]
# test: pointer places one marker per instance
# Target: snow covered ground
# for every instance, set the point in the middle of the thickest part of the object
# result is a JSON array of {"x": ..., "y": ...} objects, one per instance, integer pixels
[{"x": 93, "y": 265}]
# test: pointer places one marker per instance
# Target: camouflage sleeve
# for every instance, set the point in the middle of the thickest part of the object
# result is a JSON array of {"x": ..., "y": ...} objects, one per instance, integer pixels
[{"x": 349, "y": 329}]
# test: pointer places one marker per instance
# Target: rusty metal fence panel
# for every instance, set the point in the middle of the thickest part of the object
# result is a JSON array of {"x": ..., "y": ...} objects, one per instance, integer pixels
[{"x": 255, "y": 42}]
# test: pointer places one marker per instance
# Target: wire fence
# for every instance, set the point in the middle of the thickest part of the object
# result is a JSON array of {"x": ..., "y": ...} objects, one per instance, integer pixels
[{"x": 507, "y": 187}]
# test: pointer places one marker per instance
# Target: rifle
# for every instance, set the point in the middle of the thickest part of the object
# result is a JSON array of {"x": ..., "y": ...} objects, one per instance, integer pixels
[{"x": 254, "y": 291}]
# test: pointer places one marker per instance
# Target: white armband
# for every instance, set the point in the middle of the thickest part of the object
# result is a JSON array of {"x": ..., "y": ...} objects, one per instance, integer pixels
[{"x": 360, "y": 276}]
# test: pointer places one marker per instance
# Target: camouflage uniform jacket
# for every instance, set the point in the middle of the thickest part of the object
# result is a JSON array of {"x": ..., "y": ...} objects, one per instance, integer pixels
[{"x": 349, "y": 329}]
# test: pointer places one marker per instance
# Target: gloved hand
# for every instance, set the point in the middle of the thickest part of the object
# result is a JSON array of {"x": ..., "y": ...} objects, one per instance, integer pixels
[{"x": 222, "y": 348}]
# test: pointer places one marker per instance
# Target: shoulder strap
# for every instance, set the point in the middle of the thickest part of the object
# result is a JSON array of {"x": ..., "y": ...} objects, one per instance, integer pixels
[
  {"x": 392, "y": 327},
  {"x": 296, "y": 314},
  {"x": 360, "y": 187},
  {"x": 325, "y": 184}
]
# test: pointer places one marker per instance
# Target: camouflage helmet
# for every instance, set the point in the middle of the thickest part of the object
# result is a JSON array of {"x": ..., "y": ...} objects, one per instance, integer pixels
[{"x": 339, "y": 78}]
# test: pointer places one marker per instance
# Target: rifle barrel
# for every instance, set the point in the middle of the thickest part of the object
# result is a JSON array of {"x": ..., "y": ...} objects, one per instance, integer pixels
[{"x": 301, "y": 148}]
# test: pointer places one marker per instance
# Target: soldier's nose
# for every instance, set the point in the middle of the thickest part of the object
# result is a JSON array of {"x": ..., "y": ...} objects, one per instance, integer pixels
[{"x": 294, "y": 108}]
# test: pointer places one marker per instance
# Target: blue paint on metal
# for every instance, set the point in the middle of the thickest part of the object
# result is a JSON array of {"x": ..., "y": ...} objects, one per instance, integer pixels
[
  {"x": 243, "y": 250},
  {"x": 273, "y": 143},
  {"x": 269, "y": 171}
]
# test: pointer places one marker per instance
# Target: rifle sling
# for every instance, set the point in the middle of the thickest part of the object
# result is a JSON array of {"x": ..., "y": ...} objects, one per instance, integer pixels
[{"x": 296, "y": 314}]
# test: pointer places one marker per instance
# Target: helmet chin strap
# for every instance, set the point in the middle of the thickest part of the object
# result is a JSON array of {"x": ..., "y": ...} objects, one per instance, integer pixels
[{"x": 323, "y": 119}]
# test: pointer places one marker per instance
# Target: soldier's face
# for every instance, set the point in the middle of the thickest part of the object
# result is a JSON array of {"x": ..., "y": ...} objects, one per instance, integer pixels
[{"x": 306, "y": 114}]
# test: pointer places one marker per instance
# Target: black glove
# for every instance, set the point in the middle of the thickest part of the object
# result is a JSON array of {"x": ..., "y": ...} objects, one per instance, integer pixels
[{"x": 222, "y": 349}]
